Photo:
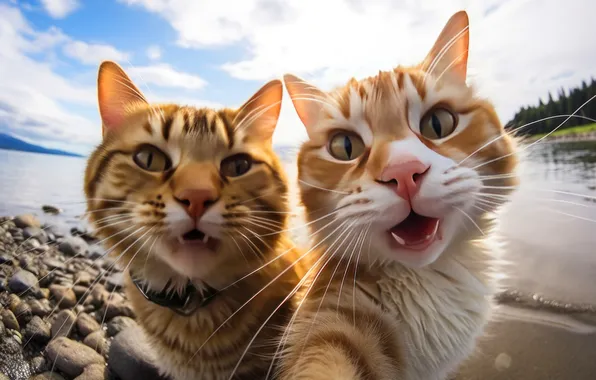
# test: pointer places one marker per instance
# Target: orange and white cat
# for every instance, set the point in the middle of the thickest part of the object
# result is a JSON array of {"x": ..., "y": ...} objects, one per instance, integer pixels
[
  {"x": 192, "y": 204},
  {"x": 392, "y": 179}
]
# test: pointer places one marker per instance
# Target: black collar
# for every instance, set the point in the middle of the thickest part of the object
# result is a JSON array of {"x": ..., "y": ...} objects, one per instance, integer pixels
[{"x": 184, "y": 304}]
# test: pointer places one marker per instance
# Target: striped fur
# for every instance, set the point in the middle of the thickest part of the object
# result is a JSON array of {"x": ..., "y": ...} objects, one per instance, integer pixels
[
  {"x": 136, "y": 212},
  {"x": 371, "y": 309}
]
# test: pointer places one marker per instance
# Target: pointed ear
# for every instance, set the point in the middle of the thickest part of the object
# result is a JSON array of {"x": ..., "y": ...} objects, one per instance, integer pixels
[
  {"x": 307, "y": 99},
  {"x": 258, "y": 116},
  {"x": 116, "y": 95},
  {"x": 449, "y": 55}
]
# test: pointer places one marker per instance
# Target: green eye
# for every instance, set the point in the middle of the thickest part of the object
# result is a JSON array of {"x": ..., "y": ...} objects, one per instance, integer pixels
[
  {"x": 346, "y": 146},
  {"x": 152, "y": 159},
  {"x": 236, "y": 165},
  {"x": 437, "y": 123}
]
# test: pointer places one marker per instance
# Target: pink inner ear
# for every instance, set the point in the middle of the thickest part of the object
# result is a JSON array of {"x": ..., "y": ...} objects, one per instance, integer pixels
[{"x": 112, "y": 115}]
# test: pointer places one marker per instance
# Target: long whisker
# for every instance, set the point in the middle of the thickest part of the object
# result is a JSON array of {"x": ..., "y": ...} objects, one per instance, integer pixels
[
  {"x": 322, "y": 188},
  {"x": 470, "y": 219}
]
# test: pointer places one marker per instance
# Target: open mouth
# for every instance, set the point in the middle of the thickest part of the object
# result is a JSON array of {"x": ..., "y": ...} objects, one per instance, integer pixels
[
  {"x": 416, "y": 231},
  {"x": 198, "y": 237}
]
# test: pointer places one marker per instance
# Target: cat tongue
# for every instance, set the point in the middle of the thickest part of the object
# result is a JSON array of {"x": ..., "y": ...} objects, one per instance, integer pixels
[{"x": 415, "y": 230}]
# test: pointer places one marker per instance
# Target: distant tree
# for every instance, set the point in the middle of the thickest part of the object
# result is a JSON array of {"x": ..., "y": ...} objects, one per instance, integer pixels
[{"x": 566, "y": 103}]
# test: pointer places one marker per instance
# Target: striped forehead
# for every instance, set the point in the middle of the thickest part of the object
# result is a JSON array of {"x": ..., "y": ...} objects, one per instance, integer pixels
[
  {"x": 382, "y": 105},
  {"x": 195, "y": 131}
]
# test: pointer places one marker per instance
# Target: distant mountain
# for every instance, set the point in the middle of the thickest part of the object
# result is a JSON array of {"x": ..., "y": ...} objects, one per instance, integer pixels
[{"x": 12, "y": 143}]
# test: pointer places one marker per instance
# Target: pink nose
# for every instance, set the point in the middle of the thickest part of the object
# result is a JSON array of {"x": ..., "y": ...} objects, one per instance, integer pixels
[
  {"x": 407, "y": 172},
  {"x": 196, "y": 201}
]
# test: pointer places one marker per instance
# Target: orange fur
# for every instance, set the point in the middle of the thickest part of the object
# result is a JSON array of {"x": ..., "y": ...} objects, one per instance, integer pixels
[
  {"x": 139, "y": 213},
  {"x": 365, "y": 312}
]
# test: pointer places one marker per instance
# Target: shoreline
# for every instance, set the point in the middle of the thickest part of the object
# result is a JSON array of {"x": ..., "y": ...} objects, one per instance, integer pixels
[{"x": 571, "y": 137}]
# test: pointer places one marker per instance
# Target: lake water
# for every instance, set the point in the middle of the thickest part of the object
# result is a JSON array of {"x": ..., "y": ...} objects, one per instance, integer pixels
[{"x": 549, "y": 319}]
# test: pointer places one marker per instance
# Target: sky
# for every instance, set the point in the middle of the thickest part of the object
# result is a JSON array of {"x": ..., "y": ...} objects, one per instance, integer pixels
[{"x": 218, "y": 53}]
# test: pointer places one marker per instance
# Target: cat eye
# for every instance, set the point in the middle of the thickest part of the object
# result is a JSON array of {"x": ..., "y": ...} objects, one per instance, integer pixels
[
  {"x": 437, "y": 123},
  {"x": 346, "y": 146},
  {"x": 152, "y": 159},
  {"x": 236, "y": 165}
]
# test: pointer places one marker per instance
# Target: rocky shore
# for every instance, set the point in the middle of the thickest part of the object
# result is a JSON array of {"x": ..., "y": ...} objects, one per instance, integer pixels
[{"x": 63, "y": 313}]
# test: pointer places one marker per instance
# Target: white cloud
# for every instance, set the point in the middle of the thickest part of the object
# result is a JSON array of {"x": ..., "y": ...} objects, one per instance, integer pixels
[
  {"x": 164, "y": 75},
  {"x": 520, "y": 50},
  {"x": 60, "y": 8},
  {"x": 154, "y": 52},
  {"x": 93, "y": 54},
  {"x": 61, "y": 111}
]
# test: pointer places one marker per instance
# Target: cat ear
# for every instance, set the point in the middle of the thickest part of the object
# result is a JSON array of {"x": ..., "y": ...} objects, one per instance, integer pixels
[
  {"x": 308, "y": 100},
  {"x": 258, "y": 116},
  {"x": 116, "y": 93},
  {"x": 449, "y": 55}
]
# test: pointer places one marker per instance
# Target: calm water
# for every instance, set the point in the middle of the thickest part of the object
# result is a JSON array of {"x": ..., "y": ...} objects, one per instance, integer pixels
[{"x": 550, "y": 233}]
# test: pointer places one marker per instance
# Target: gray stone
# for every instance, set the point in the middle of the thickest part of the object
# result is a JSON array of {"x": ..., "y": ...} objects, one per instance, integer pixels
[
  {"x": 72, "y": 357},
  {"x": 38, "y": 364},
  {"x": 23, "y": 313},
  {"x": 118, "y": 324},
  {"x": 9, "y": 320},
  {"x": 74, "y": 246},
  {"x": 53, "y": 263},
  {"x": 86, "y": 324},
  {"x": 38, "y": 330},
  {"x": 12, "y": 363},
  {"x": 130, "y": 356},
  {"x": 40, "y": 308},
  {"x": 2, "y": 329},
  {"x": 93, "y": 372},
  {"x": 37, "y": 233},
  {"x": 23, "y": 281},
  {"x": 59, "y": 230},
  {"x": 27, "y": 220},
  {"x": 83, "y": 278},
  {"x": 63, "y": 324},
  {"x": 97, "y": 341},
  {"x": 49, "y": 209},
  {"x": 115, "y": 281}
]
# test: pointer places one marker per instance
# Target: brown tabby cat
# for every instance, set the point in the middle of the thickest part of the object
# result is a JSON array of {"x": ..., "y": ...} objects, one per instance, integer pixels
[
  {"x": 392, "y": 176},
  {"x": 192, "y": 202}
]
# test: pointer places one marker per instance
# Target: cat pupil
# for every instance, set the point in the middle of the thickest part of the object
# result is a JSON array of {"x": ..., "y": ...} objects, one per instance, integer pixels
[
  {"x": 436, "y": 124},
  {"x": 348, "y": 146},
  {"x": 149, "y": 160}
]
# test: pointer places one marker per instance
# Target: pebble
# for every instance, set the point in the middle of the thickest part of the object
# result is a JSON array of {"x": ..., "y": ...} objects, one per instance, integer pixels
[
  {"x": 40, "y": 308},
  {"x": 72, "y": 357},
  {"x": 38, "y": 364},
  {"x": 23, "y": 313},
  {"x": 93, "y": 372},
  {"x": 97, "y": 296},
  {"x": 59, "y": 230},
  {"x": 86, "y": 324},
  {"x": 36, "y": 233},
  {"x": 97, "y": 341},
  {"x": 23, "y": 281},
  {"x": 119, "y": 308},
  {"x": 5, "y": 258},
  {"x": 12, "y": 363},
  {"x": 130, "y": 357},
  {"x": 64, "y": 295},
  {"x": 118, "y": 324},
  {"x": 9, "y": 320},
  {"x": 13, "y": 302},
  {"x": 26, "y": 220},
  {"x": 73, "y": 246},
  {"x": 115, "y": 281},
  {"x": 84, "y": 278},
  {"x": 53, "y": 263},
  {"x": 38, "y": 330},
  {"x": 2, "y": 329},
  {"x": 63, "y": 324},
  {"x": 49, "y": 209},
  {"x": 80, "y": 291}
]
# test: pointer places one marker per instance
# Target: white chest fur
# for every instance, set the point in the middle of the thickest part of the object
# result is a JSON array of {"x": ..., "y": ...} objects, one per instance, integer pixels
[{"x": 441, "y": 309}]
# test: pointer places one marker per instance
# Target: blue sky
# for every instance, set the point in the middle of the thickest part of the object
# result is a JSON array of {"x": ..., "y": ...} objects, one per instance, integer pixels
[{"x": 213, "y": 53}]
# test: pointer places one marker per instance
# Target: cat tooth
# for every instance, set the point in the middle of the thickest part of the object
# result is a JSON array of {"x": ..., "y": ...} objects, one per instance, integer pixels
[
  {"x": 180, "y": 239},
  {"x": 398, "y": 239},
  {"x": 205, "y": 239}
]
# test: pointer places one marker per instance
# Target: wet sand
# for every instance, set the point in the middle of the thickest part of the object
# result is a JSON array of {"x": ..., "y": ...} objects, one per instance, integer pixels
[{"x": 549, "y": 331}]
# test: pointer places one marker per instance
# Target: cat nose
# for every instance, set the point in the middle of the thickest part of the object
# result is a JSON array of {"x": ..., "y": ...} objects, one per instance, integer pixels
[
  {"x": 405, "y": 176},
  {"x": 196, "y": 201}
]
